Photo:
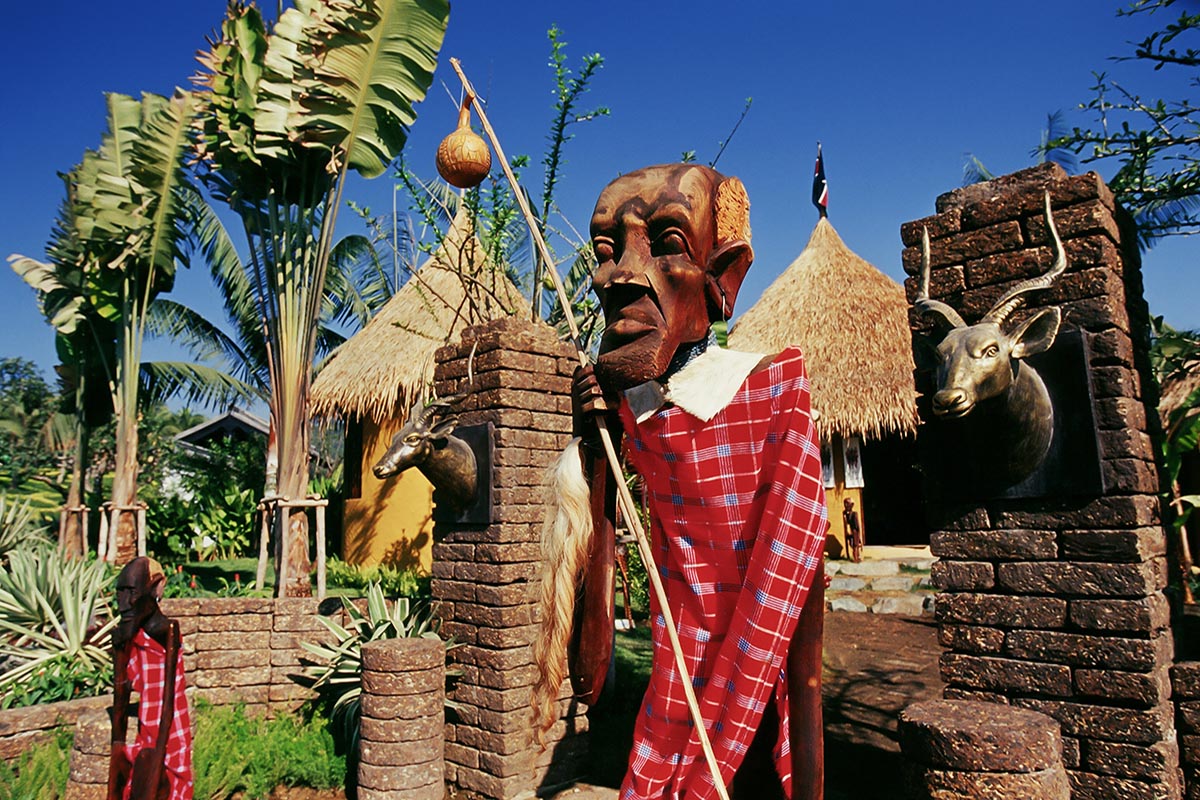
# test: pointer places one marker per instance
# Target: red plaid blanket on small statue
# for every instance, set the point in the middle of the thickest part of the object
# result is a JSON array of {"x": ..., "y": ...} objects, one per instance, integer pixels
[
  {"x": 148, "y": 676},
  {"x": 738, "y": 520}
]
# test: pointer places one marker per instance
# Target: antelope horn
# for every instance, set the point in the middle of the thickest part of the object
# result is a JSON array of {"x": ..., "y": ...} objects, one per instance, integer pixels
[
  {"x": 1014, "y": 298},
  {"x": 933, "y": 307}
]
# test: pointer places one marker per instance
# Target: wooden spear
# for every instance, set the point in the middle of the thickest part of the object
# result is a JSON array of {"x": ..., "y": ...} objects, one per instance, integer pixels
[{"x": 628, "y": 509}]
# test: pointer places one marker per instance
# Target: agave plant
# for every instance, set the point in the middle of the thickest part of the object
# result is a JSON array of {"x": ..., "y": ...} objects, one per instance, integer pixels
[
  {"x": 55, "y": 625},
  {"x": 338, "y": 676},
  {"x": 19, "y": 530}
]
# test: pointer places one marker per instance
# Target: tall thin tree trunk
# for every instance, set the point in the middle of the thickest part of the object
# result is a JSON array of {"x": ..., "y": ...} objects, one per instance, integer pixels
[
  {"x": 72, "y": 544},
  {"x": 124, "y": 490},
  {"x": 293, "y": 485}
]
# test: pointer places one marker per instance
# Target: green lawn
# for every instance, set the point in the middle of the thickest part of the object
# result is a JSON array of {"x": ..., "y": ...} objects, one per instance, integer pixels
[{"x": 44, "y": 500}]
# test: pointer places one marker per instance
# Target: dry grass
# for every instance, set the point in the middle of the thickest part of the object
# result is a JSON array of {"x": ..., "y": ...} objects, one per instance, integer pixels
[
  {"x": 384, "y": 366},
  {"x": 851, "y": 321}
]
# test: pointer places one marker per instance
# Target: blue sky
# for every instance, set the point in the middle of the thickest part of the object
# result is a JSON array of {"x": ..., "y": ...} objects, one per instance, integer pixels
[{"x": 896, "y": 92}]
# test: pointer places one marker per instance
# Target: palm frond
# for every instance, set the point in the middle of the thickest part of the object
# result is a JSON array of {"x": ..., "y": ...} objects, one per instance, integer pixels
[
  {"x": 371, "y": 63},
  {"x": 192, "y": 383}
]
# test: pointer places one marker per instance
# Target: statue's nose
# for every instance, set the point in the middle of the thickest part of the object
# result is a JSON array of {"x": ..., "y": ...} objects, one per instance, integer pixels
[
  {"x": 632, "y": 269},
  {"x": 950, "y": 400}
]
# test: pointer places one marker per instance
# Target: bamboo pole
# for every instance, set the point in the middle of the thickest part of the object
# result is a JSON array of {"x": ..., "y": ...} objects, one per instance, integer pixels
[{"x": 624, "y": 498}]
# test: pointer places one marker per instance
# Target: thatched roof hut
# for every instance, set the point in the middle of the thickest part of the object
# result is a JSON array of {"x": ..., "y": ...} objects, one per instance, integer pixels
[
  {"x": 385, "y": 365},
  {"x": 851, "y": 320}
]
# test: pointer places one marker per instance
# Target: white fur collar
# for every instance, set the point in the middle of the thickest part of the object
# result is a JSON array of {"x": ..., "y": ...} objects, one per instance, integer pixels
[{"x": 702, "y": 388}]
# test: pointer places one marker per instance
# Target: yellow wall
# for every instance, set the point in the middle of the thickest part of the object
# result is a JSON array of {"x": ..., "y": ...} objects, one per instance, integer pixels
[
  {"x": 392, "y": 522},
  {"x": 835, "y": 540}
]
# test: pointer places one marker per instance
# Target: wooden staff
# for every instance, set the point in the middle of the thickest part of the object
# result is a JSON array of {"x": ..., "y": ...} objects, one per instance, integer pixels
[{"x": 628, "y": 509}]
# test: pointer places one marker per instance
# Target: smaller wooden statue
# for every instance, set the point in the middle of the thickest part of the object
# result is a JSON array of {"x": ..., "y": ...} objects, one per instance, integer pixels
[
  {"x": 147, "y": 656},
  {"x": 854, "y": 540}
]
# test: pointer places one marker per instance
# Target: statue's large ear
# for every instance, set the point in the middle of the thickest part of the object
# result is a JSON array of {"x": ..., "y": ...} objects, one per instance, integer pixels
[
  {"x": 726, "y": 270},
  {"x": 1037, "y": 333}
]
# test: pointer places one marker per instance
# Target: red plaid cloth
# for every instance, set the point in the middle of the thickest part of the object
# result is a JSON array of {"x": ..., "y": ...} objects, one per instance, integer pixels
[
  {"x": 147, "y": 672},
  {"x": 737, "y": 512}
]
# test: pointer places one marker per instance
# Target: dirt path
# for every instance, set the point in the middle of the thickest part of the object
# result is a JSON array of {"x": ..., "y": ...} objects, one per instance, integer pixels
[{"x": 875, "y": 665}]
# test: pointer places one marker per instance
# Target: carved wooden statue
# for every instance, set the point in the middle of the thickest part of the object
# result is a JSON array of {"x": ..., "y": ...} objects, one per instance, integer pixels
[
  {"x": 148, "y": 660},
  {"x": 983, "y": 379},
  {"x": 726, "y": 444}
]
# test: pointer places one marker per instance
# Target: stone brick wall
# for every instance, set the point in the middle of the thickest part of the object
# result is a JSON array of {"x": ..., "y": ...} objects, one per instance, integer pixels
[
  {"x": 246, "y": 649},
  {"x": 1185, "y": 688},
  {"x": 234, "y": 650},
  {"x": 1055, "y": 604},
  {"x": 485, "y": 578},
  {"x": 22, "y": 728}
]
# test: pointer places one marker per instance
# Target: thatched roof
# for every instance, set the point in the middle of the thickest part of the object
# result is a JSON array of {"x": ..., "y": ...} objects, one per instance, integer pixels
[
  {"x": 385, "y": 365},
  {"x": 1177, "y": 388},
  {"x": 851, "y": 321}
]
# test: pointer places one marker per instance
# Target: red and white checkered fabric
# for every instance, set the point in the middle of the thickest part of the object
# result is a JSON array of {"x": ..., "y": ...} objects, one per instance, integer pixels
[
  {"x": 738, "y": 522},
  {"x": 147, "y": 672}
]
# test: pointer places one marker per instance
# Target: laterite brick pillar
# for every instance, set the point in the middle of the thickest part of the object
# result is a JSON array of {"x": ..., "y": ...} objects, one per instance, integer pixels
[
  {"x": 1055, "y": 603},
  {"x": 976, "y": 751},
  {"x": 401, "y": 732},
  {"x": 485, "y": 577}
]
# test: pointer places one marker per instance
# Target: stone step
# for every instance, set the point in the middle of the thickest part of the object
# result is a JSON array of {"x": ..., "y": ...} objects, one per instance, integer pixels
[
  {"x": 912, "y": 604},
  {"x": 868, "y": 569}
]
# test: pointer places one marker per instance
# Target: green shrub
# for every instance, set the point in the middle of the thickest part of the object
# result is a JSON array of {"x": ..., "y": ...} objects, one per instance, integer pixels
[
  {"x": 394, "y": 581},
  {"x": 233, "y": 752},
  {"x": 40, "y": 773}
]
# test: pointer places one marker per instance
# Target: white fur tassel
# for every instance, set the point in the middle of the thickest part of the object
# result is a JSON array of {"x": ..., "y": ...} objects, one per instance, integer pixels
[{"x": 566, "y": 538}]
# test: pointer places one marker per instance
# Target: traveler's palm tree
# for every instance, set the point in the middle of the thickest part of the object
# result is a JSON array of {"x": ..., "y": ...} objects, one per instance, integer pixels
[
  {"x": 116, "y": 243},
  {"x": 285, "y": 116}
]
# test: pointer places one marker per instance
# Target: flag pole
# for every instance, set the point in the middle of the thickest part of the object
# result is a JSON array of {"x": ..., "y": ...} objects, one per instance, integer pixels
[{"x": 624, "y": 498}]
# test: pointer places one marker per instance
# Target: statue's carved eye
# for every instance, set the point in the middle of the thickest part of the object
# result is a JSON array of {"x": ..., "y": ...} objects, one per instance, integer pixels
[
  {"x": 412, "y": 439},
  {"x": 670, "y": 242},
  {"x": 603, "y": 249},
  {"x": 991, "y": 351}
]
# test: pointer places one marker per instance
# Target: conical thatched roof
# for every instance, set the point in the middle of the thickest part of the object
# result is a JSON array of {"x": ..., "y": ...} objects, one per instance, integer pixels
[
  {"x": 385, "y": 365},
  {"x": 851, "y": 320}
]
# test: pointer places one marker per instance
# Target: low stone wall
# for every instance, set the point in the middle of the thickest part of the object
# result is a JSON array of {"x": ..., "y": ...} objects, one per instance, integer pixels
[
  {"x": 234, "y": 650},
  {"x": 22, "y": 728},
  {"x": 248, "y": 649}
]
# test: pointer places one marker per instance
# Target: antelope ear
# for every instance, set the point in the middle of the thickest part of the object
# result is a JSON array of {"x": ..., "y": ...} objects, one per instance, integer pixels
[
  {"x": 444, "y": 427},
  {"x": 1037, "y": 333}
]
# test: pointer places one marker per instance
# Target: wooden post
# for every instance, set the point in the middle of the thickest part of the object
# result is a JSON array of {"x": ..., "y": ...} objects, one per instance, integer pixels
[
  {"x": 281, "y": 551},
  {"x": 141, "y": 529},
  {"x": 321, "y": 550},
  {"x": 102, "y": 542},
  {"x": 264, "y": 536}
]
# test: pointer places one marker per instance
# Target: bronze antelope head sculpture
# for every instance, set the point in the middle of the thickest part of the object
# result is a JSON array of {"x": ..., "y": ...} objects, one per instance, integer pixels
[
  {"x": 982, "y": 377},
  {"x": 428, "y": 443}
]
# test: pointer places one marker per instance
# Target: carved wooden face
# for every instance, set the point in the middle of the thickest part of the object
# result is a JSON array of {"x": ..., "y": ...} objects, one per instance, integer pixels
[
  {"x": 139, "y": 588},
  {"x": 657, "y": 274}
]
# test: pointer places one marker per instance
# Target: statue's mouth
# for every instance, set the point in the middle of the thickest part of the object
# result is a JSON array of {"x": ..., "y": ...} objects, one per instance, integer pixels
[{"x": 952, "y": 412}]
